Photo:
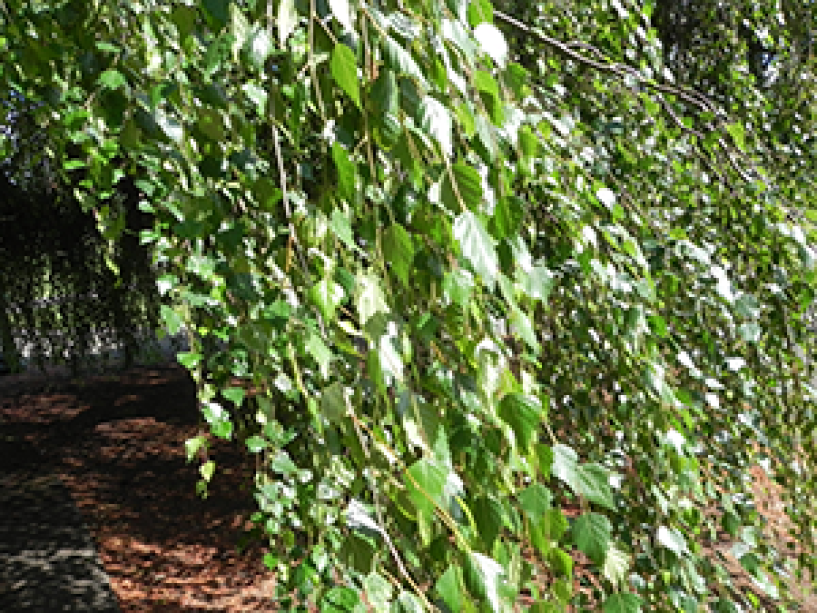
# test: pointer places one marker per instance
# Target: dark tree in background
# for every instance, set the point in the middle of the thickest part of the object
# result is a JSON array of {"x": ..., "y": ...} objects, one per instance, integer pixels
[{"x": 63, "y": 286}]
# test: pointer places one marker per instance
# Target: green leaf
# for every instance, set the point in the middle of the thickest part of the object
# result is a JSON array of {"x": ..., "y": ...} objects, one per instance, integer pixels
[
  {"x": 738, "y": 134},
  {"x": 560, "y": 562},
  {"x": 537, "y": 283},
  {"x": 256, "y": 444},
  {"x": 622, "y": 603},
  {"x": 347, "y": 173},
  {"x": 222, "y": 429},
  {"x": 435, "y": 119},
  {"x": 477, "y": 246},
  {"x": 112, "y": 79},
  {"x": 410, "y": 603},
  {"x": 616, "y": 566},
  {"x": 388, "y": 347},
  {"x": 425, "y": 482},
  {"x": 257, "y": 95},
  {"x": 342, "y": 12},
  {"x": 480, "y": 11},
  {"x": 590, "y": 480},
  {"x": 193, "y": 445},
  {"x": 218, "y": 10},
  {"x": 402, "y": 61},
  {"x": 523, "y": 327},
  {"x": 342, "y": 228},
  {"x": 488, "y": 514},
  {"x": 320, "y": 353},
  {"x": 333, "y": 402},
  {"x": 591, "y": 534},
  {"x": 487, "y": 137},
  {"x": 207, "y": 470},
  {"x": 171, "y": 320},
  {"x": 344, "y": 70},
  {"x": 458, "y": 285},
  {"x": 484, "y": 576},
  {"x": 750, "y": 332},
  {"x": 523, "y": 414},
  {"x": 565, "y": 465},
  {"x": 517, "y": 78},
  {"x": 189, "y": 359},
  {"x": 528, "y": 141},
  {"x": 485, "y": 83},
  {"x": 398, "y": 249},
  {"x": 384, "y": 93},
  {"x": 169, "y": 126},
  {"x": 234, "y": 395},
  {"x": 492, "y": 42},
  {"x": 287, "y": 20},
  {"x": 671, "y": 539},
  {"x": 535, "y": 500},
  {"x": 464, "y": 180},
  {"x": 282, "y": 464},
  {"x": 327, "y": 296},
  {"x": 369, "y": 297},
  {"x": 466, "y": 119},
  {"x": 378, "y": 591},
  {"x": 340, "y": 600},
  {"x": 448, "y": 587},
  {"x": 360, "y": 519},
  {"x": 594, "y": 484},
  {"x": 259, "y": 47},
  {"x": 507, "y": 219}
]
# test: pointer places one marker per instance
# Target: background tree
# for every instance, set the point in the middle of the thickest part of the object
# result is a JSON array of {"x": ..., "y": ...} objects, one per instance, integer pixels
[
  {"x": 65, "y": 287},
  {"x": 505, "y": 290}
]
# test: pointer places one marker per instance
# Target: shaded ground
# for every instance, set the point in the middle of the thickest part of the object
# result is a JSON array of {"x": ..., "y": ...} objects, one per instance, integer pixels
[
  {"x": 117, "y": 445},
  {"x": 48, "y": 561}
]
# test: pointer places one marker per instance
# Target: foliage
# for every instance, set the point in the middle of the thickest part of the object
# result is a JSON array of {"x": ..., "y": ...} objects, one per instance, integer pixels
[{"x": 482, "y": 291}]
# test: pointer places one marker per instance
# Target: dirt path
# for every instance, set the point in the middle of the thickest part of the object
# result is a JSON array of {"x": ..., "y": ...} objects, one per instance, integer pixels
[{"x": 117, "y": 444}]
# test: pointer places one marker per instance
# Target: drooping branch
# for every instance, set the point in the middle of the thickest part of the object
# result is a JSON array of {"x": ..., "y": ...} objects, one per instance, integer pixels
[{"x": 691, "y": 97}]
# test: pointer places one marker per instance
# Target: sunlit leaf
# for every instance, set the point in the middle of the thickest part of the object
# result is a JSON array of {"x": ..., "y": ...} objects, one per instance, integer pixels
[
  {"x": 344, "y": 70},
  {"x": 435, "y": 119},
  {"x": 341, "y": 9},
  {"x": 485, "y": 577},
  {"x": 287, "y": 20},
  {"x": 477, "y": 246},
  {"x": 492, "y": 42},
  {"x": 369, "y": 297},
  {"x": 671, "y": 539}
]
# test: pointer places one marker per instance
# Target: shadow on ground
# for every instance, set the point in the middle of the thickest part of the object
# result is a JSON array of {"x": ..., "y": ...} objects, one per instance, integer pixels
[
  {"x": 117, "y": 445},
  {"x": 48, "y": 561}
]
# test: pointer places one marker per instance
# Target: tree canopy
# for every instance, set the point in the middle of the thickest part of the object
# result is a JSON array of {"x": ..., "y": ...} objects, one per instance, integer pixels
[{"x": 485, "y": 289}]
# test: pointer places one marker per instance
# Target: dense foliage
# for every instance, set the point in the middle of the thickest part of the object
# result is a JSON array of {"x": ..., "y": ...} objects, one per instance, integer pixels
[{"x": 486, "y": 290}]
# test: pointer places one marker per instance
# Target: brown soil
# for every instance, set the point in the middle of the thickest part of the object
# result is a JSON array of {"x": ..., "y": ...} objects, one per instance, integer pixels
[{"x": 118, "y": 444}]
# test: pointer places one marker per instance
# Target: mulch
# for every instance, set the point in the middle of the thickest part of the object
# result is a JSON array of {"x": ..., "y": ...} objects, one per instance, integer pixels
[{"x": 117, "y": 444}]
